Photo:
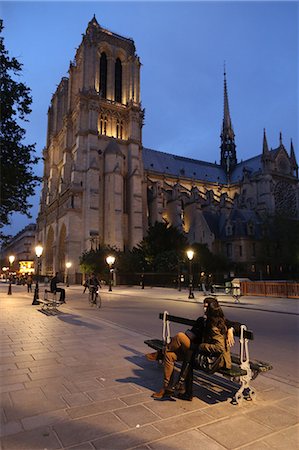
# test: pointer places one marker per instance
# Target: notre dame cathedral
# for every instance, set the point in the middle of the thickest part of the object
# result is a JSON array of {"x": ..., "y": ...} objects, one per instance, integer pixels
[{"x": 101, "y": 186}]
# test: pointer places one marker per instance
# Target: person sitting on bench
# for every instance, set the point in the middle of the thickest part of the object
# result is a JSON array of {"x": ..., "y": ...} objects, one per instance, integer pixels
[
  {"x": 53, "y": 287},
  {"x": 203, "y": 331}
]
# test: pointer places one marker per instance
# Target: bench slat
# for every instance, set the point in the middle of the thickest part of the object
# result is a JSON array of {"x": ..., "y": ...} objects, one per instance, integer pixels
[
  {"x": 176, "y": 319},
  {"x": 260, "y": 366}
]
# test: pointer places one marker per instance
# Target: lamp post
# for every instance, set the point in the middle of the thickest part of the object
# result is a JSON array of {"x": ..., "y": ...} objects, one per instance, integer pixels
[
  {"x": 38, "y": 251},
  {"x": 110, "y": 261},
  {"x": 190, "y": 254},
  {"x": 68, "y": 265},
  {"x": 11, "y": 259}
]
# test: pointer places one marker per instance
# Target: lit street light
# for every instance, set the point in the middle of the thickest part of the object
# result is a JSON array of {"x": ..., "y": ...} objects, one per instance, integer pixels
[
  {"x": 68, "y": 265},
  {"x": 11, "y": 260},
  {"x": 110, "y": 261},
  {"x": 38, "y": 251},
  {"x": 190, "y": 254}
]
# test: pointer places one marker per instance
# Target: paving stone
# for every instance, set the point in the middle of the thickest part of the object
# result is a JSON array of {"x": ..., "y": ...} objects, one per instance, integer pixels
[
  {"x": 94, "y": 408},
  {"x": 287, "y": 439},
  {"x": 113, "y": 392},
  {"x": 11, "y": 387},
  {"x": 40, "y": 420},
  {"x": 291, "y": 404},
  {"x": 76, "y": 399},
  {"x": 226, "y": 409},
  {"x": 271, "y": 395},
  {"x": 10, "y": 428},
  {"x": 140, "y": 397},
  {"x": 85, "y": 446},
  {"x": 127, "y": 439},
  {"x": 189, "y": 440},
  {"x": 235, "y": 431},
  {"x": 171, "y": 408},
  {"x": 40, "y": 439},
  {"x": 183, "y": 422},
  {"x": 136, "y": 415},
  {"x": 274, "y": 417},
  {"x": 88, "y": 428},
  {"x": 13, "y": 379}
]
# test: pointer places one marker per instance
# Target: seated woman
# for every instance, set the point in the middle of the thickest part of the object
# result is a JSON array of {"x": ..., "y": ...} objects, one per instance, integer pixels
[{"x": 205, "y": 332}]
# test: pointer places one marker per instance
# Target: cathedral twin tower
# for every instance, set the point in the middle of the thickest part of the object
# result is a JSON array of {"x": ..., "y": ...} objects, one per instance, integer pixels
[{"x": 100, "y": 186}]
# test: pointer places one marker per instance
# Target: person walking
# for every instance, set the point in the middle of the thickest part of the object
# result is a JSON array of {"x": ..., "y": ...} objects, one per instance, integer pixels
[{"x": 29, "y": 283}]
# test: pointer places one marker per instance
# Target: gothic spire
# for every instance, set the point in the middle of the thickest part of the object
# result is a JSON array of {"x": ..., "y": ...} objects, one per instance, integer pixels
[
  {"x": 280, "y": 139},
  {"x": 228, "y": 146},
  {"x": 265, "y": 144}
]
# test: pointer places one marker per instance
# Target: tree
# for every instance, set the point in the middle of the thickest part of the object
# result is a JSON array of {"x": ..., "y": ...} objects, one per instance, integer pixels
[
  {"x": 94, "y": 261},
  {"x": 280, "y": 245},
  {"x": 18, "y": 180},
  {"x": 163, "y": 247}
]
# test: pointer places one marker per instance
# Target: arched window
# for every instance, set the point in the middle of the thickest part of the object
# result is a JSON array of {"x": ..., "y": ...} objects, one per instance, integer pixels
[
  {"x": 103, "y": 75},
  {"x": 103, "y": 125},
  {"x": 119, "y": 129},
  {"x": 118, "y": 81}
]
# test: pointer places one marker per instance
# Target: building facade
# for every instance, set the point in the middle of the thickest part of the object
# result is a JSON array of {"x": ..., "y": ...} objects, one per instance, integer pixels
[
  {"x": 22, "y": 248},
  {"x": 101, "y": 186}
]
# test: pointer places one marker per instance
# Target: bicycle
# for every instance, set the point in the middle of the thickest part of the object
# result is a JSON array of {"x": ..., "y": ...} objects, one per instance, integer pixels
[{"x": 94, "y": 298}]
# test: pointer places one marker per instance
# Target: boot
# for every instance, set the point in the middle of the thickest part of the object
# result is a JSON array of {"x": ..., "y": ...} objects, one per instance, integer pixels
[
  {"x": 163, "y": 393},
  {"x": 156, "y": 356}
]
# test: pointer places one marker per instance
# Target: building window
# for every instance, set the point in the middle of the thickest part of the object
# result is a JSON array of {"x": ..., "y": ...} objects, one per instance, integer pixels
[
  {"x": 103, "y": 75},
  {"x": 240, "y": 250},
  {"x": 253, "y": 249},
  {"x": 119, "y": 129},
  {"x": 118, "y": 81},
  {"x": 229, "y": 250},
  {"x": 103, "y": 125}
]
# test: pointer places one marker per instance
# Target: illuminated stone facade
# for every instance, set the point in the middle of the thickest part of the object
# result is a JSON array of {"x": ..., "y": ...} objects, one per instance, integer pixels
[{"x": 101, "y": 186}]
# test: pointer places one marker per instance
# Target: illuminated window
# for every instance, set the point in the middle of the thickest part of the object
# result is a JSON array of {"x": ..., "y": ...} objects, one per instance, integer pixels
[
  {"x": 103, "y": 125},
  {"x": 118, "y": 81},
  {"x": 119, "y": 129},
  {"x": 103, "y": 75}
]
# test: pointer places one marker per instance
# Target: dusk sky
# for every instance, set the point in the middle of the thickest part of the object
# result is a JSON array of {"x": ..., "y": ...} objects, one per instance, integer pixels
[{"x": 182, "y": 47}]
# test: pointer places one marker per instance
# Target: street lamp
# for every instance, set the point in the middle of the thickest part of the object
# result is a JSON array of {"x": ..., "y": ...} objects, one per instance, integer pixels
[
  {"x": 190, "y": 254},
  {"x": 68, "y": 265},
  {"x": 38, "y": 251},
  {"x": 110, "y": 261},
  {"x": 11, "y": 259}
]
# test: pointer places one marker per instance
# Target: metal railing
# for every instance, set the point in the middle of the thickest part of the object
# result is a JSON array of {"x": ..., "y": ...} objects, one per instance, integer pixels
[{"x": 270, "y": 288}]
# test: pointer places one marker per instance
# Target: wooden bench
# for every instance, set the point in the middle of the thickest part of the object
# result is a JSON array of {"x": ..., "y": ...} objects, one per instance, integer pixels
[
  {"x": 243, "y": 369},
  {"x": 49, "y": 302},
  {"x": 234, "y": 291}
]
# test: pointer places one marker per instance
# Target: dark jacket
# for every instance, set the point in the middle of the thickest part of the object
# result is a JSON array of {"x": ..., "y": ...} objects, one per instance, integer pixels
[{"x": 214, "y": 343}]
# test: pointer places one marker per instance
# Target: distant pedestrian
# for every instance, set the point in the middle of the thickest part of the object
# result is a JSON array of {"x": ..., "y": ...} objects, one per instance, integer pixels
[{"x": 29, "y": 283}]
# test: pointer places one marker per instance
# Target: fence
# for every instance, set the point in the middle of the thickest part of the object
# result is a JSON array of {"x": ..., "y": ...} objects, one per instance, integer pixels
[{"x": 270, "y": 288}]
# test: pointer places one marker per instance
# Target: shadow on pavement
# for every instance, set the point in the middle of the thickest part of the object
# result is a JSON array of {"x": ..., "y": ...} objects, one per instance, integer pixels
[{"x": 211, "y": 389}]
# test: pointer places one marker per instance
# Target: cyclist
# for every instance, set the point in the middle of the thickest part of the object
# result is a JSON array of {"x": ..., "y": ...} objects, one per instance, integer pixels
[{"x": 93, "y": 284}]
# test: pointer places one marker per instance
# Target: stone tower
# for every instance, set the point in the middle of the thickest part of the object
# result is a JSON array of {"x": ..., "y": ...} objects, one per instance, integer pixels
[{"x": 93, "y": 174}]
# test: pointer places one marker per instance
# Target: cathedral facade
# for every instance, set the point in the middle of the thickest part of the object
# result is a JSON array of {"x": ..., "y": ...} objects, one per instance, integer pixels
[{"x": 102, "y": 187}]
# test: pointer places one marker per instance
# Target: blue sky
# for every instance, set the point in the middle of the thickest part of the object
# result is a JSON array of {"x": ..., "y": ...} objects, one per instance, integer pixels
[{"x": 182, "y": 46}]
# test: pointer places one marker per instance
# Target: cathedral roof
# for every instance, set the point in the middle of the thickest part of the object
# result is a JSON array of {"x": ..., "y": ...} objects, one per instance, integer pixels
[
  {"x": 181, "y": 167},
  {"x": 251, "y": 165}
]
